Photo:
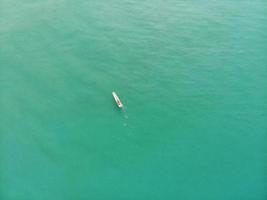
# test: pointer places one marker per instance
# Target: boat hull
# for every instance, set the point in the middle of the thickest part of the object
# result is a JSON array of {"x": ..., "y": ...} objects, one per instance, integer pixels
[{"x": 117, "y": 100}]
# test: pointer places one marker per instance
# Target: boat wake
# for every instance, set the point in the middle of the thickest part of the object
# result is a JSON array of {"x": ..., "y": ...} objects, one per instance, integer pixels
[
  {"x": 126, "y": 123},
  {"x": 125, "y": 116}
]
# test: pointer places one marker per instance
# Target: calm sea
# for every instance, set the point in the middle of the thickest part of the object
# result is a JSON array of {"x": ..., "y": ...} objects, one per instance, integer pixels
[{"x": 191, "y": 74}]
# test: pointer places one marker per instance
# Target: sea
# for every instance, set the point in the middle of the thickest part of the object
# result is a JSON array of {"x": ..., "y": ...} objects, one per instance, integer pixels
[{"x": 192, "y": 76}]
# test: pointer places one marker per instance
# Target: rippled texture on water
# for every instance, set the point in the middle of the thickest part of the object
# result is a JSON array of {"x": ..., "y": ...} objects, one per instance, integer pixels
[{"x": 192, "y": 75}]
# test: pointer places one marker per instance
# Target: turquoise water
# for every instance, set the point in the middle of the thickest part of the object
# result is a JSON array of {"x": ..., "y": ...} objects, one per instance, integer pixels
[{"x": 192, "y": 77}]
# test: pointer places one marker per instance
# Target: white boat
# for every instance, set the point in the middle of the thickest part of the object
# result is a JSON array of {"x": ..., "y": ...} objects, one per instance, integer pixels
[{"x": 117, "y": 100}]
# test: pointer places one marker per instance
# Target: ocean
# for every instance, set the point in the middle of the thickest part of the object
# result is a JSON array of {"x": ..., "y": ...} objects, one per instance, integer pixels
[{"x": 191, "y": 76}]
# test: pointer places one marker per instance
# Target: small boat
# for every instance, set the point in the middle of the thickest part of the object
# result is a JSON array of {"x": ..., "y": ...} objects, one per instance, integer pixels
[{"x": 116, "y": 98}]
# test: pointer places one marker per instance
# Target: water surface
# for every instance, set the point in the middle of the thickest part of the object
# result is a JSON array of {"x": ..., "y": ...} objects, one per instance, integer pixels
[{"x": 192, "y": 75}]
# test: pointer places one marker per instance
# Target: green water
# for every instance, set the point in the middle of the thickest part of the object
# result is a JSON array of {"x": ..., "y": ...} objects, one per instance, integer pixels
[{"x": 192, "y": 77}]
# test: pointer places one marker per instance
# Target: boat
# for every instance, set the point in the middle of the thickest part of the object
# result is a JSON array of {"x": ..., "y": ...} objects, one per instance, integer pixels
[{"x": 117, "y": 99}]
